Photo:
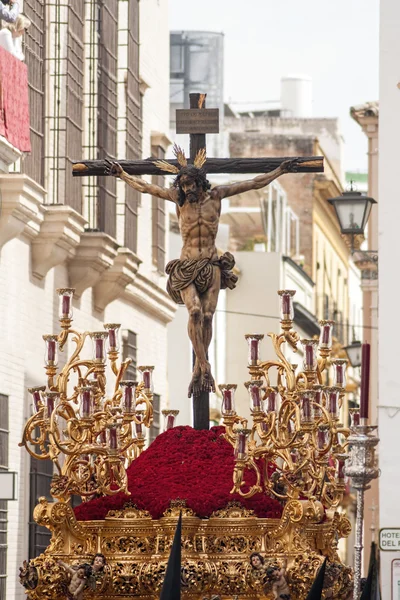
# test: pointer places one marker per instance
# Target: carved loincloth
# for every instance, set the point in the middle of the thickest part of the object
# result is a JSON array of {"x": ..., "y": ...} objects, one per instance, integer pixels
[{"x": 200, "y": 272}]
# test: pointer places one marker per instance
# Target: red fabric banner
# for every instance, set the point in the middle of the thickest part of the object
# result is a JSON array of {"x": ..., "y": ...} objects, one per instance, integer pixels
[{"x": 14, "y": 101}]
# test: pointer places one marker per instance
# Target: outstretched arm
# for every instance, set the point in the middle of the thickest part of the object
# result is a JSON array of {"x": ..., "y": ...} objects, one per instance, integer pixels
[
  {"x": 114, "y": 168},
  {"x": 224, "y": 191},
  {"x": 67, "y": 567}
]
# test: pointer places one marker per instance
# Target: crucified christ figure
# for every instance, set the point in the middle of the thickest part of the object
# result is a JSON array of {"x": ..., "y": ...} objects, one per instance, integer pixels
[{"x": 197, "y": 276}]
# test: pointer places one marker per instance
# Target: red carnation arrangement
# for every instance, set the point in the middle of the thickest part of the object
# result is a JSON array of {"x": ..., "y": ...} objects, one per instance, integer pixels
[{"x": 196, "y": 466}]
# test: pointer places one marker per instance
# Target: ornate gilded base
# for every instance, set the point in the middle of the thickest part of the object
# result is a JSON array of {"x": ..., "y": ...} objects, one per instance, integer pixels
[{"x": 215, "y": 551}]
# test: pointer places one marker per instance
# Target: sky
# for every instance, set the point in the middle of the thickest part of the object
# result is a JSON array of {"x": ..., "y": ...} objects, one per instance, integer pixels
[{"x": 335, "y": 42}]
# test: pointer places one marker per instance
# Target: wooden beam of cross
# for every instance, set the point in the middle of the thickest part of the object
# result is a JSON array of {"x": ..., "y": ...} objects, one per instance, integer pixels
[{"x": 197, "y": 121}]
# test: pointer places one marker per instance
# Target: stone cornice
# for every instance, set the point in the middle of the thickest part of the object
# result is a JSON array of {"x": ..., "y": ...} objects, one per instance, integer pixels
[
  {"x": 94, "y": 255},
  {"x": 8, "y": 154},
  {"x": 58, "y": 238},
  {"x": 21, "y": 207},
  {"x": 160, "y": 139},
  {"x": 114, "y": 280}
]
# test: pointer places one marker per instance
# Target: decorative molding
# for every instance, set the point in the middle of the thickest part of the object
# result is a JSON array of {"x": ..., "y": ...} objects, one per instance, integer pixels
[
  {"x": 113, "y": 282},
  {"x": 152, "y": 298},
  {"x": 59, "y": 236},
  {"x": 94, "y": 255},
  {"x": 160, "y": 139},
  {"x": 8, "y": 154},
  {"x": 21, "y": 207}
]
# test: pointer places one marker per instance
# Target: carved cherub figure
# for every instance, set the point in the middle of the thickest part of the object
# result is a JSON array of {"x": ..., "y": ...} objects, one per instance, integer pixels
[
  {"x": 277, "y": 576},
  {"x": 96, "y": 569},
  {"x": 79, "y": 579}
]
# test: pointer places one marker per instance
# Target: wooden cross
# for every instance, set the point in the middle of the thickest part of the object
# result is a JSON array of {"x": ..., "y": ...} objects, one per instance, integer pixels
[{"x": 197, "y": 121}]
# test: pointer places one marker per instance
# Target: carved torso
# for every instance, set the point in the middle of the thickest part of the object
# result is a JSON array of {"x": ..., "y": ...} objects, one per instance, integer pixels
[{"x": 198, "y": 224}]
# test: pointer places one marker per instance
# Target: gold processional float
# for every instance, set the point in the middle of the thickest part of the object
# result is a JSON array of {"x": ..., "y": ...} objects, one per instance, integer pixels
[{"x": 295, "y": 447}]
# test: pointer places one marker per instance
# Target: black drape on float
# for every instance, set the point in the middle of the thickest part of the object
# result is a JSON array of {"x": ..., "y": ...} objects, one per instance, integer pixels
[
  {"x": 171, "y": 589},
  {"x": 371, "y": 589},
  {"x": 315, "y": 592}
]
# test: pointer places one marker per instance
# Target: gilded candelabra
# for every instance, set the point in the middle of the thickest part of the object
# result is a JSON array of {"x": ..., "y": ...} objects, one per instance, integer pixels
[
  {"x": 90, "y": 435},
  {"x": 296, "y": 445}
]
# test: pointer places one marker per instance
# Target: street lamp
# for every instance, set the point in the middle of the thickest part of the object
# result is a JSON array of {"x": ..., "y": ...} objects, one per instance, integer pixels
[
  {"x": 352, "y": 211},
  {"x": 354, "y": 353}
]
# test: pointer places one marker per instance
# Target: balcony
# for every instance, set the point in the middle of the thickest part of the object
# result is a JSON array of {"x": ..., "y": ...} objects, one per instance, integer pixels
[{"x": 14, "y": 110}]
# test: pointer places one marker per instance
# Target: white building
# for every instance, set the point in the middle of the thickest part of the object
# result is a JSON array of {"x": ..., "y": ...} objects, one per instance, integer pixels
[
  {"x": 99, "y": 98},
  {"x": 389, "y": 290}
]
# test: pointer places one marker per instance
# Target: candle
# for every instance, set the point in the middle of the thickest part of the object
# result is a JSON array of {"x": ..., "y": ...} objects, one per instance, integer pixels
[
  {"x": 254, "y": 350},
  {"x": 306, "y": 407},
  {"x": 321, "y": 439},
  {"x": 255, "y": 394},
  {"x": 170, "y": 422},
  {"x": 113, "y": 438},
  {"x": 50, "y": 402},
  {"x": 341, "y": 469},
  {"x": 355, "y": 419},
  {"x": 139, "y": 429},
  {"x": 65, "y": 302},
  {"x": 37, "y": 397},
  {"x": 318, "y": 402},
  {"x": 332, "y": 402},
  {"x": 364, "y": 387},
  {"x": 112, "y": 339},
  {"x": 99, "y": 349},
  {"x": 309, "y": 356},
  {"x": 227, "y": 394},
  {"x": 325, "y": 334},
  {"x": 147, "y": 377},
  {"x": 50, "y": 357},
  {"x": 66, "y": 305},
  {"x": 339, "y": 372},
  {"x": 112, "y": 336},
  {"x": 240, "y": 450},
  {"x": 129, "y": 395},
  {"x": 86, "y": 402},
  {"x": 325, "y": 337},
  {"x": 287, "y": 313},
  {"x": 271, "y": 402}
]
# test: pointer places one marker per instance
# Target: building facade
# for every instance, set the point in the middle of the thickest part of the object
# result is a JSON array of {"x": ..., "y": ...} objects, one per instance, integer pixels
[
  {"x": 389, "y": 288},
  {"x": 99, "y": 87}
]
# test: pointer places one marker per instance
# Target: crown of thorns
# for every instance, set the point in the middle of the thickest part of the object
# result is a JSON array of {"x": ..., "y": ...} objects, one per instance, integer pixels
[{"x": 198, "y": 162}]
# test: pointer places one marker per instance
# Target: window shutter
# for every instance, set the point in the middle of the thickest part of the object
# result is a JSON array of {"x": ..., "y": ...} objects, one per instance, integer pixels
[
  {"x": 133, "y": 122},
  {"x": 35, "y": 52},
  {"x": 40, "y": 476},
  {"x": 74, "y": 101},
  {"x": 129, "y": 350},
  {"x": 107, "y": 112}
]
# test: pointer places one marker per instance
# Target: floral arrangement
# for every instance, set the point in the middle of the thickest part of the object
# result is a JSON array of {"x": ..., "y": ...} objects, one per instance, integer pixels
[{"x": 196, "y": 466}]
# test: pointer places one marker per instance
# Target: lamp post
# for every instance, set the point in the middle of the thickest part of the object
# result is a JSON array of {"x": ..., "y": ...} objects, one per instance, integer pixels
[
  {"x": 352, "y": 211},
  {"x": 353, "y": 352}
]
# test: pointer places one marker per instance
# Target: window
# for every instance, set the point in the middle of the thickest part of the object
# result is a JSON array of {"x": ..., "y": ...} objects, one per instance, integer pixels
[
  {"x": 107, "y": 112},
  {"x": 40, "y": 476},
  {"x": 158, "y": 218},
  {"x": 326, "y": 306},
  {"x": 35, "y": 52},
  {"x": 133, "y": 122},
  {"x": 4, "y": 426},
  {"x": 155, "y": 426},
  {"x": 129, "y": 350}
]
